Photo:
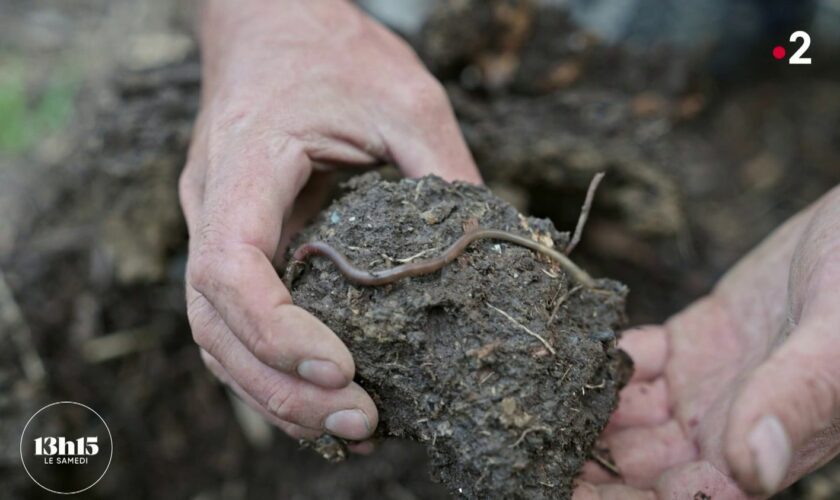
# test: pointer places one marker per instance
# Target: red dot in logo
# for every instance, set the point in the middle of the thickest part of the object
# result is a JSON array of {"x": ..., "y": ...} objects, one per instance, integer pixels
[{"x": 779, "y": 52}]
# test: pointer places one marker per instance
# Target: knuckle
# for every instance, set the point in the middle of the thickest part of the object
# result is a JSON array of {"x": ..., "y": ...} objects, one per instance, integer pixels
[
  {"x": 271, "y": 347},
  {"x": 204, "y": 337},
  {"x": 200, "y": 332},
  {"x": 188, "y": 184},
  {"x": 236, "y": 114},
  {"x": 283, "y": 404},
  {"x": 822, "y": 392},
  {"x": 205, "y": 262},
  {"x": 204, "y": 322},
  {"x": 234, "y": 106},
  {"x": 216, "y": 264},
  {"x": 267, "y": 350},
  {"x": 200, "y": 269},
  {"x": 197, "y": 313},
  {"x": 425, "y": 97}
]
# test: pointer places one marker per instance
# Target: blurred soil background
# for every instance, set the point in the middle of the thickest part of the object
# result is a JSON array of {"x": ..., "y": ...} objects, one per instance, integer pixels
[{"x": 708, "y": 144}]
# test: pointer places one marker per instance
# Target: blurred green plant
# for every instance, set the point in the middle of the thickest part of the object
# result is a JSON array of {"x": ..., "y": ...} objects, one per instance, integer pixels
[{"x": 28, "y": 113}]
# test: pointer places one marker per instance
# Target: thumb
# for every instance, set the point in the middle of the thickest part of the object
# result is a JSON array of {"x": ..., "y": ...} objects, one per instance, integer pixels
[
  {"x": 788, "y": 405},
  {"x": 787, "y": 408}
]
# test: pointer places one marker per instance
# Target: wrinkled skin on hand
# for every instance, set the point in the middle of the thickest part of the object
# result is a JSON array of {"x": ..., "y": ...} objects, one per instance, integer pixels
[
  {"x": 291, "y": 89},
  {"x": 739, "y": 395}
]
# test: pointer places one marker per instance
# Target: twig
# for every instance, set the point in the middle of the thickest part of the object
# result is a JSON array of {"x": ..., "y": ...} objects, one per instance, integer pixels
[
  {"x": 565, "y": 373},
  {"x": 550, "y": 274},
  {"x": 417, "y": 189},
  {"x": 523, "y": 327},
  {"x": 560, "y": 302},
  {"x": 13, "y": 324},
  {"x": 418, "y": 254},
  {"x": 606, "y": 463},
  {"x": 526, "y": 432},
  {"x": 119, "y": 344},
  {"x": 478, "y": 481},
  {"x": 584, "y": 211},
  {"x": 591, "y": 387}
]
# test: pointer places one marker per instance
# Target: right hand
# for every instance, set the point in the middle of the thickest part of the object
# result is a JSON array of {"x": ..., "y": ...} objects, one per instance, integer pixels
[
  {"x": 738, "y": 396},
  {"x": 287, "y": 86}
]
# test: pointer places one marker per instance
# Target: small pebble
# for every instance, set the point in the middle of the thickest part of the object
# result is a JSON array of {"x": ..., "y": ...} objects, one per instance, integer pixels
[{"x": 604, "y": 335}]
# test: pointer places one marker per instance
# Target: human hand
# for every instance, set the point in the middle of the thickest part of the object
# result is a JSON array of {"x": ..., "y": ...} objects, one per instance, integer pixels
[
  {"x": 739, "y": 394},
  {"x": 289, "y": 88}
]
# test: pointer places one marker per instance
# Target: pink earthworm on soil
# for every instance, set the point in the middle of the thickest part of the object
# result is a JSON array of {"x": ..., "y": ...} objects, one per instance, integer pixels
[{"x": 385, "y": 276}]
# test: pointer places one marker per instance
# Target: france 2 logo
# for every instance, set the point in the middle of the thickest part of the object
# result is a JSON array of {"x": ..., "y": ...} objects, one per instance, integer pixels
[{"x": 779, "y": 50}]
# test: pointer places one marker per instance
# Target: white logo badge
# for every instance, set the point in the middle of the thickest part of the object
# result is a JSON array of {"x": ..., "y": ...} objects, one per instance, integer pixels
[{"x": 66, "y": 447}]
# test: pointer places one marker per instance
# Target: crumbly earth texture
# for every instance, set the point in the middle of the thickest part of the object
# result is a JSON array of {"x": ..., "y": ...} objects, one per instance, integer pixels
[{"x": 453, "y": 359}]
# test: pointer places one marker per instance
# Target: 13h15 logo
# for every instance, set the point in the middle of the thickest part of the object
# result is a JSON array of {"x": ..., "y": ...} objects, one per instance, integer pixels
[
  {"x": 66, "y": 447},
  {"x": 58, "y": 450}
]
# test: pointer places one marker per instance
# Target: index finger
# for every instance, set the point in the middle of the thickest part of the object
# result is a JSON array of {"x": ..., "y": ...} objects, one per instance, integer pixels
[{"x": 647, "y": 346}]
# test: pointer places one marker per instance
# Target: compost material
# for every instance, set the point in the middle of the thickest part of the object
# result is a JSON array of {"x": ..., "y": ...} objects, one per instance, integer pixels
[{"x": 501, "y": 364}]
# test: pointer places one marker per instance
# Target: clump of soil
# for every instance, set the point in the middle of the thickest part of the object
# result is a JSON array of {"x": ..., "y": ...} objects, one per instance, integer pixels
[{"x": 453, "y": 359}]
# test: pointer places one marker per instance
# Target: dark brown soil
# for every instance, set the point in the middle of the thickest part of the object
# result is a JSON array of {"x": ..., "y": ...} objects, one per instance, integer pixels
[{"x": 447, "y": 357}]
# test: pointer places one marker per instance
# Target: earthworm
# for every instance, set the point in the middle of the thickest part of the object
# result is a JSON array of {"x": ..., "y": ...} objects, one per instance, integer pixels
[{"x": 385, "y": 276}]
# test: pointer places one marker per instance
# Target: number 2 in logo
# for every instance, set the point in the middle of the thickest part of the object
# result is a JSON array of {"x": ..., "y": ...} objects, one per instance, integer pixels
[{"x": 797, "y": 58}]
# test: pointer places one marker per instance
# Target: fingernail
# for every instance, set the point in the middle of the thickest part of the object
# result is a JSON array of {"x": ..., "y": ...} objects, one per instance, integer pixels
[
  {"x": 323, "y": 373},
  {"x": 349, "y": 424},
  {"x": 771, "y": 449}
]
